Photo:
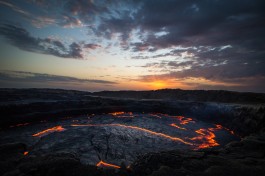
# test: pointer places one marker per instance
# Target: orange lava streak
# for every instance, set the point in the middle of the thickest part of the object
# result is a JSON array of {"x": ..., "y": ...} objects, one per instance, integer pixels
[
  {"x": 102, "y": 163},
  {"x": 122, "y": 114},
  {"x": 117, "y": 113},
  {"x": 221, "y": 127},
  {"x": 26, "y": 153},
  {"x": 176, "y": 126},
  {"x": 207, "y": 136},
  {"x": 49, "y": 130},
  {"x": 140, "y": 129},
  {"x": 180, "y": 117},
  {"x": 184, "y": 121}
]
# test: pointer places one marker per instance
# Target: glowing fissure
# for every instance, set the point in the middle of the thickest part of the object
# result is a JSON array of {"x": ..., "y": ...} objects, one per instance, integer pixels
[
  {"x": 227, "y": 129},
  {"x": 176, "y": 126},
  {"x": 18, "y": 125},
  {"x": 48, "y": 131},
  {"x": 207, "y": 136},
  {"x": 104, "y": 164},
  {"x": 117, "y": 113},
  {"x": 180, "y": 117},
  {"x": 122, "y": 114},
  {"x": 136, "y": 128},
  {"x": 184, "y": 120}
]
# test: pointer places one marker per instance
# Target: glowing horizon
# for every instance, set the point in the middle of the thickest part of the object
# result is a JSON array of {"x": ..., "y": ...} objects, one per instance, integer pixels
[{"x": 132, "y": 45}]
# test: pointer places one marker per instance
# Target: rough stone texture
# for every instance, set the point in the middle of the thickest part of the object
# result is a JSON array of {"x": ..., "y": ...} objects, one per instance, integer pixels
[
  {"x": 237, "y": 158},
  {"x": 246, "y": 157},
  {"x": 10, "y": 154},
  {"x": 60, "y": 164}
]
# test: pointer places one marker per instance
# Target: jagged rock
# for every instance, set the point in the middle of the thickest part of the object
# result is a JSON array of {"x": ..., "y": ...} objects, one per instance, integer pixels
[
  {"x": 10, "y": 154},
  {"x": 56, "y": 164},
  {"x": 239, "y": 170},
  {"x": 12, "y": 151},
  {"x": 237, "y": 158},
  {"x": 163, "y": 171},
  {"x": 14, "y": 172}
]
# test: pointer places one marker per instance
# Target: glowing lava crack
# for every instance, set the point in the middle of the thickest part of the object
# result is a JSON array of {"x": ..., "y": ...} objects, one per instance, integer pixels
[
  {"x": 104, "y": 164},
  {"x": 111, "y": 138},
  {"x": 135, "y": 128},
  {"x": 48, "y": 131}
]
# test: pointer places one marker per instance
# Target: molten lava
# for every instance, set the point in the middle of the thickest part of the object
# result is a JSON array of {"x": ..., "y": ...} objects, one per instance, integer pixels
[
  {"x": 116, "y": 113},
  {"x": 48, "y": 131},
  {"x": 180, "y": 117},
  {"x": 221, "y": 127},
  {"x": 207, "y": 136},
  {"x": 122, "y": 114},
  {"x": 155, "y": 115},
  {"x": 26, "y": 153},
  {"x": 184, "y": 120},
  {"x": 136, "y": 128},
  {"x": 176, "y": 126},
  {"x": 103, "y": 164}
]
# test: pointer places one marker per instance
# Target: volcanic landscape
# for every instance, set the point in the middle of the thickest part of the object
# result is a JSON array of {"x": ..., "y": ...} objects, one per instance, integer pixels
[
  {"x": 119, "y": 136},
  {"x": 51, "y": 132}
]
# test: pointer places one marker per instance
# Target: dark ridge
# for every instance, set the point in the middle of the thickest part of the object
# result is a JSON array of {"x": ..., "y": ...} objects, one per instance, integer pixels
[{"x": 190, "y": 95}]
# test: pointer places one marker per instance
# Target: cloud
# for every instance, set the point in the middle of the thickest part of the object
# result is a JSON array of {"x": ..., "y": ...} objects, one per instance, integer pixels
[
  {"x": 218, "y": 41},
  {"x": 70, "y": 21},
  {"x": 139, "y": 46},
  {"x": 91, "y": 46},
  {"x": 188, "y": 24},
  {"x": 218, "y": 64},
  {"x": 37, "y": 20},
  {"x": 42, "y": 21},
  {"x": 15, "y": 8},
  {"x": 21, "y": 38},
  {"x": 213, "y": 68},
  {"x": 185, "y": 26},
  {"x": 174, "y": 80},
  {"x": 21, "y": 76},
  {"x": 68, "y": 13}
]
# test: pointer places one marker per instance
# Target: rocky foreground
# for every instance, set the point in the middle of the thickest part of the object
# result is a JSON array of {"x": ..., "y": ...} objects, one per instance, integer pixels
[
  {"x": 237, "y": 158},
  {"x": 245, "y": 157}
]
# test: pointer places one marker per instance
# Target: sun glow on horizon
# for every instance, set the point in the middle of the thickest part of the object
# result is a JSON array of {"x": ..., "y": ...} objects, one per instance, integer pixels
[{"x": 159, "y": 84}]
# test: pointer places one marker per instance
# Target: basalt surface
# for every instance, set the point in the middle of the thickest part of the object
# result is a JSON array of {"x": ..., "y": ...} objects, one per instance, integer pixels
[{"x": 118, "y": 137}]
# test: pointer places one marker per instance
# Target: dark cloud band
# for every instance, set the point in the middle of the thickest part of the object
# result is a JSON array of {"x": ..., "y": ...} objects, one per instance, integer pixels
[
  {"x": 21, "y": 76},
  {"x": 21, "y": 38}
]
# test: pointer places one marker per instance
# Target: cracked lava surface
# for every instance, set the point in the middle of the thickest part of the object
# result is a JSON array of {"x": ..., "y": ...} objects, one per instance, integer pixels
[{"x": 117, "y": 137}]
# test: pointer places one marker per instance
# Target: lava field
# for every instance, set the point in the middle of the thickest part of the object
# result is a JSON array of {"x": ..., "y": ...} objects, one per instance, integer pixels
[{"x": 109, "y": 139}]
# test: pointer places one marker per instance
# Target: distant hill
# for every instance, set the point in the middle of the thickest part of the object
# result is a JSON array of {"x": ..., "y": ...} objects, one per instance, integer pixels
[
  {"x": 10, "y": 95},
  {"x": 189, "y": 95}
]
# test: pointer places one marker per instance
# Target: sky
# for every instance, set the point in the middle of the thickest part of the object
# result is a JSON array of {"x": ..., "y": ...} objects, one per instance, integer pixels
[{"x": 96, "y": 45}]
